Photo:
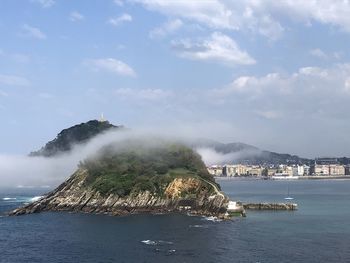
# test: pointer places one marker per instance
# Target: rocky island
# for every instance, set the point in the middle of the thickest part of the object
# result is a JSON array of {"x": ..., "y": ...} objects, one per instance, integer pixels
[{"x": 134, "y": 176}]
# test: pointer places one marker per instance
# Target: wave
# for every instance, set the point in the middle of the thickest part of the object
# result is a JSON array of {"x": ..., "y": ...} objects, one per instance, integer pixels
[
  {"x": 149, "y": 242},
  {"x": 156, "y": 242},
  {"x": 22, "y": 199},
  {"x": 9, "y": 198},
  {"x": 212, "y": 218},
  {"x": 198, "y": 226},
  {"x": 36, "y": 198}
]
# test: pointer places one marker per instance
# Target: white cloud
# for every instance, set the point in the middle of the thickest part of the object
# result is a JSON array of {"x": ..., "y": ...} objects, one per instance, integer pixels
[
  {"x": 12, "y": 80},
  {"x": 44, "y": 3},
  {"x": 216, "y": 14},
  {"x": 318, "y": 53},
  {"x": 310, "y": 91},
  {"x": 75, "y": 16},
  {"x": 212, "y": 13},
  {"x": 269, "y": 114},
  {"x": 165, "y": 29},
  {"x": 111, "y": 65},
  {"x": 142, "y": 94},
  {"x": 262, "y": 17},
  {"x": 219, "y": 47},
  {"x": 254, "y": 86},
  {"x": 34, "y": 32},
  {"x": 118, "y": 2},
  {"x": 117, "y": 21},
  {"x": 268, "y": 27}
]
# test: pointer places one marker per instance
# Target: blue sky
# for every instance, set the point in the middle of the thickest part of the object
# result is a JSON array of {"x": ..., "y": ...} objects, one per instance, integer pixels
[{"x": 275, "y": 74}]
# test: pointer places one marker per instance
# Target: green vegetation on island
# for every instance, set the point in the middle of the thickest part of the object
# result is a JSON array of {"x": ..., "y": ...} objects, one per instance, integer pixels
[{"x": 134, "y": 167}]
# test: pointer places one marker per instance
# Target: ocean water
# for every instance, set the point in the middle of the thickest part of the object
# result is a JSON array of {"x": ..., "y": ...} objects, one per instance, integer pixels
[{"x": 318, "y": 232}]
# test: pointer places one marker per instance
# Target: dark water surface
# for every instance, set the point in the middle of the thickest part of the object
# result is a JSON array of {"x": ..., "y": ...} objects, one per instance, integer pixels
[{"x": 318, "y": 232}]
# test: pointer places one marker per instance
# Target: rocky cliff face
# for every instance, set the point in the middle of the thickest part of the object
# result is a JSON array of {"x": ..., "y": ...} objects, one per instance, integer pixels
[{"x": 188, "y": 194}]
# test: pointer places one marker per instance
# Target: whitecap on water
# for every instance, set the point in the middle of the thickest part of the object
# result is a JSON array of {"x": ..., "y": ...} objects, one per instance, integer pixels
[
  {"x": 35, "y": 198},
  {"x": 198, "y": 226},
  {"x": 212, "y": 218},
  {"x": 149, "y": 242},
  {"x": 156, "y": 242},
  {"x": 9, "y": 198},
  {"x": 189, "y": 214}
]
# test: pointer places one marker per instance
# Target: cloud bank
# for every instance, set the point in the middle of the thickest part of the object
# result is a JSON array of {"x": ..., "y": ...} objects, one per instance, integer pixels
[{"x": 26, "y": 172}]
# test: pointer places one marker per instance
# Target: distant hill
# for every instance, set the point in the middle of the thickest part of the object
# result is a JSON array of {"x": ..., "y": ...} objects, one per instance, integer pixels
[
  {"x": 224, "y": 148},
  {"x": 74, "y": 135},
  {"x": 248, "y": 154}
]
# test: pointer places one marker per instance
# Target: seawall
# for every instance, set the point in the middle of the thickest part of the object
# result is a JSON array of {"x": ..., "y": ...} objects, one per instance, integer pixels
[{"x": 270, "y": 206}]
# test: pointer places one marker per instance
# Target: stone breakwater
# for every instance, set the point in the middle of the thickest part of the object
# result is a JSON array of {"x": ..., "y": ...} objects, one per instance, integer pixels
[{"x": 270, "y": 206}]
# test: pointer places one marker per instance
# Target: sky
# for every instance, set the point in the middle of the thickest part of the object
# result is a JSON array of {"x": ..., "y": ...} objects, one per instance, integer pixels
[{"x": 274, "y": 74}]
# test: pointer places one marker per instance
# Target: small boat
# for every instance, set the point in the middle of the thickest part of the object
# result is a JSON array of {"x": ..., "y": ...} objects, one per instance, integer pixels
[{"x": 288, "y": 196}]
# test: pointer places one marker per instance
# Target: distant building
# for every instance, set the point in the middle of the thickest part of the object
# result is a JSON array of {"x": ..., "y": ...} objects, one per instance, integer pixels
[
  {"x": 255, "y": 171},
  {"x": 321, "y": 169},
  {"x": 215, "y": 170},
  {"x": 326, "y": 167},
  {"x": 285, "y": 170},
  {"x": 336, "y": 169},
  {"x": 235, "y": 170},
  {"x": 272, "y": 171},
  {"x": 306, "y": 170},
  {"x": 242, "y": 170},
  {"x": 300, "y": 170},
  {"x": 229, "y": 170},
  {"x": 347, "y": 169}
]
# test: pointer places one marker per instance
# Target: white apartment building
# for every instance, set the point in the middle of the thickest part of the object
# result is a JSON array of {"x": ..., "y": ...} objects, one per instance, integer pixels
[{"x": 215, "y": 170}]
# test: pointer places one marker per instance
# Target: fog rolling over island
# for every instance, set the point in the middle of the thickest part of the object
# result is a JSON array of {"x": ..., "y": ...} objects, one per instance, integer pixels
[
  {"x": 58, "y": 158},
  {"x": 174, "y": 131}
]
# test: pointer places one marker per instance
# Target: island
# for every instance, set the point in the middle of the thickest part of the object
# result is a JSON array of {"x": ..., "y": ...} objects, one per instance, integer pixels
[{"x": 137, "y": 175}]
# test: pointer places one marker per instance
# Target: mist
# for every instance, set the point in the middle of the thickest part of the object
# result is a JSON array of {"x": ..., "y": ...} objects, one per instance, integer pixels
[
  {"x": 18, "y": 171},
  {"x": 210, "y": 156},
  {"x": 48, "y": 172}
]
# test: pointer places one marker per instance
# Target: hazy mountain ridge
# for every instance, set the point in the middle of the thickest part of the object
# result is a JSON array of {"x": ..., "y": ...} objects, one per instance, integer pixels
[
  {"x": 239, "y": 152},
  {"x": 249, "y": 154}
]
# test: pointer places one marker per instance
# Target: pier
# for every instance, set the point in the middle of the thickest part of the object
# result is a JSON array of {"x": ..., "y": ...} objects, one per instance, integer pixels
[{"x": 270, "y": 206}]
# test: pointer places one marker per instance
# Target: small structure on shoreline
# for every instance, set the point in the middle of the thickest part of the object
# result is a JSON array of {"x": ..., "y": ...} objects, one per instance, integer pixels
[{"x": 235, "y": 209}]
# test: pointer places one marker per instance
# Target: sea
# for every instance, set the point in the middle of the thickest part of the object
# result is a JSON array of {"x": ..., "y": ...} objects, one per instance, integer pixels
[{"x": 319, "y": 231}]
